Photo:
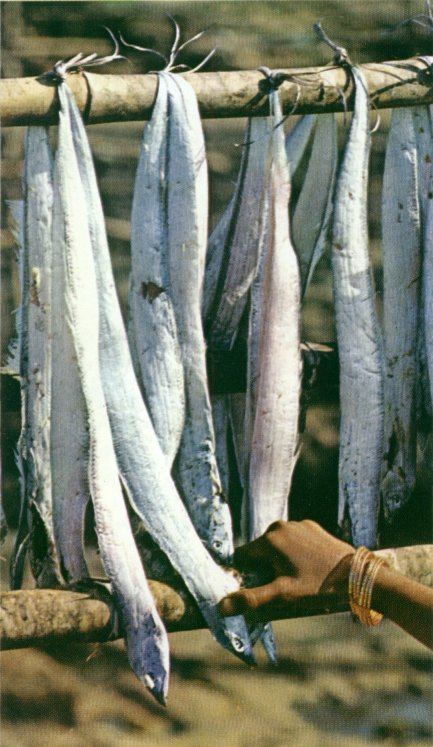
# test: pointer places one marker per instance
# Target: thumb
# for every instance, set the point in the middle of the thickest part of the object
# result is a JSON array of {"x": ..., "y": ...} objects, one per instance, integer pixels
[{"x": 248, "y": 600}]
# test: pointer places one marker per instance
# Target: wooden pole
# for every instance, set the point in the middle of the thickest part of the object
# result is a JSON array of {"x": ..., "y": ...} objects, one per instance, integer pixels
[
  {"x": 47, "y": 616},
  {"x": 120, "y": 98}
]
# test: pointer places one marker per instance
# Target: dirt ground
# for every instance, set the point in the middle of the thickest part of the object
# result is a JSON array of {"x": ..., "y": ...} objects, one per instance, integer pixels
[{"x": 336, "y": 683}]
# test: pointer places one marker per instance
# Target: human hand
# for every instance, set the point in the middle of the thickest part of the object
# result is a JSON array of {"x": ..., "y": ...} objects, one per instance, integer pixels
[{"x": 303, "y": 561}]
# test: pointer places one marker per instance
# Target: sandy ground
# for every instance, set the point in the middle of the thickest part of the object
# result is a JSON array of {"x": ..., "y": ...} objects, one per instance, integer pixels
[{"x": 336, "y": 684}]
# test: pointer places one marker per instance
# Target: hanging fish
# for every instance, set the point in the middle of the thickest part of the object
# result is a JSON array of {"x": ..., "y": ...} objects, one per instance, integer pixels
[
  {"x": 422, "y": 117},
  {"x": 427, "y": 283},
  {"x": 255, "y": 147},
  {"x": 274, "y": 358},
  {"x": 33, "y": 363},
  {"x": 359, "y": 338},
  {"x": 152, "y": 329},
  {"x": 69, "y": 427},
  {"x": 298, "y": 139},
  {"x": 146, "y": 639},
  {"x": 232, "y": 253},
  {"x": 401, "y": 256},
  {"x": 239, "y": 257},
  {"x": 312, "y": 215},
  {"x": 196, "y": 469},
  {"x": 143, "y": 466}
]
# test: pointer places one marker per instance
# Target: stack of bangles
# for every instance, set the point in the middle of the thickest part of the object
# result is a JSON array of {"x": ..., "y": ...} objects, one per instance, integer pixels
[{"x": 363, "y": 571}]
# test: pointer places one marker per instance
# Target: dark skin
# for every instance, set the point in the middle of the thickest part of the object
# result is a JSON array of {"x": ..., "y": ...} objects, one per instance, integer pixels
[{"x": 304, "y": 562}]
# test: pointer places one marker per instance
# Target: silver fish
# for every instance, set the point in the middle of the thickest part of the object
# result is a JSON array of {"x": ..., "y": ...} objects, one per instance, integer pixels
[
  {"x": 274, "y": 358},
  {"x": 359, "y": 338},
  {"x": 312, "y": 215},
  {"x": 298, "y": 139},
  {"x": 146, "y": 639},
  {"x": 241, "y": 241},
  {"x": 422, "y": 117},
  {"x": 152, "y": 328},
  {"x": 427, "y": 284},
  {"x": 142, "y": 464},
  {"x": 401, "y": 256},
  {"x": 196, "y": 469},
  {"x": 69, "y": 428},
  {"x": 35, "y": 343}
]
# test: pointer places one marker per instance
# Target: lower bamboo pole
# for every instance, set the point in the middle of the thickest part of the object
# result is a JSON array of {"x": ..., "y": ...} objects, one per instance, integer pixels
[
  {"x": 48, "y": 616},
  {"x": 120, "y": 98}
]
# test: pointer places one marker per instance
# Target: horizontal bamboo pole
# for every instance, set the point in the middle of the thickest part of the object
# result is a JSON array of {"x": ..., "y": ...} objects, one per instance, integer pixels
[
  {"x": 120, "y": 98},
  {"x": 47, "y": 616}
]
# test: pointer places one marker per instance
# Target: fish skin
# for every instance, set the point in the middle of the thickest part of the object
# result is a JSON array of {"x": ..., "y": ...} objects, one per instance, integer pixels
[
  {"x": 146, "y": 639},
  {"x": 240, "y": 247},
  {"x": 152, "y": 321},
  {"x": 312, "y": 215},
  {"x": 297, "y": 140},
  {"x": 359, "y": 339},
  {"x": 142, "y": 464},
  {"x": 220, "y": 419},
  {"x": 231, "y": 264},
  {"x": 422, "y": 116},
  {"x": 34, "y": 360},
  {"x": 274, "y": 359},
  {"x": 195, "y": 469},
  {"x": 69, "y": 428},
  {"x": 427, "y": 285},
  {"x": 401, "y": 256}
]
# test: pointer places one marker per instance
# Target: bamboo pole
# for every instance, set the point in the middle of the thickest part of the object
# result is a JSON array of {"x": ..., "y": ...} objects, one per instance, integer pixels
[
  {"x": 47, "y": 616},
  {"x": 120, "y": 98}
]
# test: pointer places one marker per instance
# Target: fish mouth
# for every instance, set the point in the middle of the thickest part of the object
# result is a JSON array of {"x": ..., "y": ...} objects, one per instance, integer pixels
[{"x": 157, "y": 686}]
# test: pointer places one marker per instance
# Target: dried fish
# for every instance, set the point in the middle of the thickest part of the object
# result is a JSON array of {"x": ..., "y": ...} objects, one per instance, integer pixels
[
  {"x": 142, "y": 464},
  {"x": 359, "y": 338},
  {"x": 239, "y": 259},
  {"x": 196, "y": 469},
  {"x": 401, "y": 254},
  {"x": 152, "y": 329},
  {"x": 274, "y": 359},
  {"x": 146, "y": 639},
  {"x": 34, "y": 365},
  {"x": 424, "y": 136},
  {"x": 312, "y": 215},
  {"x": 220, "y": 419},
  {"x": 427, "y": 284},
  {"x": 69, "y": 428},
  {"x": 298, "y": 139}
]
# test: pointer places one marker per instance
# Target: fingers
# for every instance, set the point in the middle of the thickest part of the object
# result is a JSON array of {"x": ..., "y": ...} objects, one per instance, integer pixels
[
  {"x": 263, "y": 548},
  {"x": 247, "y": 555},
  {"x": 248, "y": 600}
]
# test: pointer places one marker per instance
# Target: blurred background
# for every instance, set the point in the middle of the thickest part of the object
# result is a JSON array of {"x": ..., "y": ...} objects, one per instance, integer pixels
[{"x": 336, "y": 684}]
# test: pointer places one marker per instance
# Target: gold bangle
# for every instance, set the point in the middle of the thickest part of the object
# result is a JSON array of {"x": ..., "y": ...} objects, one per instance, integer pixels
[{"x": 362, "y": 575}]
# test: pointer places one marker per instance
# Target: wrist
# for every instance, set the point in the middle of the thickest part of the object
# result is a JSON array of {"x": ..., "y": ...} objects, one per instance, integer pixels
[{"x": 337, "y": 581}]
